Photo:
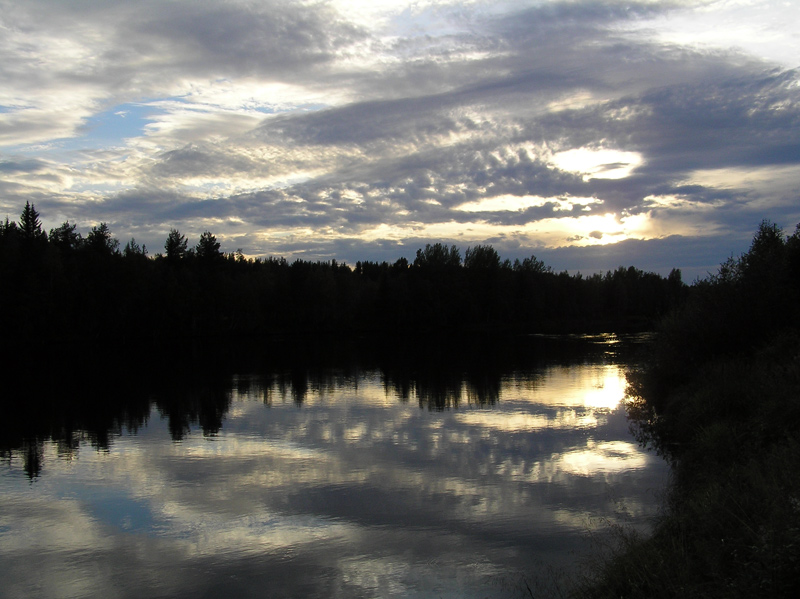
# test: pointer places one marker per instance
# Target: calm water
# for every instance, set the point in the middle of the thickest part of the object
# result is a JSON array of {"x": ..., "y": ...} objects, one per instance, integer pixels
[{"x": 331, "y": 482}]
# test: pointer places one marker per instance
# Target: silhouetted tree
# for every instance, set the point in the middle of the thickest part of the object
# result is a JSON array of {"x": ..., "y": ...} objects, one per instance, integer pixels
[
  {"x": 793, "y": 259},
  {"x": 438, "y": 255},
  {"x": 100, "y": 241},
  {"x": 30, "y": 227},
  {"x": 482, "y": 257},
  {"x": 66, "y": 238},
  {"x": 9, "y": 238},
  {"x": 531, "y": 265},
  {"x": 207, "y": 248},
  {"x": 69, "y": 284},
  {"x": 133, "y": 249},
  {"x": 175, "y": 245}
]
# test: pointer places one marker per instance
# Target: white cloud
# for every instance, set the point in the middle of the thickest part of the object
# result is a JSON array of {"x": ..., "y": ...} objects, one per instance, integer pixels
[{"x": 761, "y": 28}]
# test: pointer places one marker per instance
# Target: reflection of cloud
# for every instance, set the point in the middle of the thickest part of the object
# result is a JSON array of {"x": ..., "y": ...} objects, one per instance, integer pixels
[
  {"x": 606, "y": 392},
  {"x": 518, "y": 422},
  {"x": 611, "y": 456},
  {"x": 353, "y": 472}
]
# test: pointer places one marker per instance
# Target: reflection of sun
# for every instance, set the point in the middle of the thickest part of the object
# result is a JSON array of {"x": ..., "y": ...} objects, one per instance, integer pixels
[{"x": 608, "y": 391}]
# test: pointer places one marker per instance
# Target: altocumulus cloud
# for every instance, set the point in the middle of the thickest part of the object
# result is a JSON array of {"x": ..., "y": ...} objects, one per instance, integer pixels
[{"x": 591, "y": 133}]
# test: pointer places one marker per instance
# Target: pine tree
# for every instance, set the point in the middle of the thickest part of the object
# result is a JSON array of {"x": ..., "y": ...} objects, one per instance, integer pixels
[
  {"x": 66, "y": 238},
  {"x": 175, "y": 245},
  {"x": 208, "y": 247},
  {"x": 30, "y": 226},
  {"x": 99, "y": 240}
]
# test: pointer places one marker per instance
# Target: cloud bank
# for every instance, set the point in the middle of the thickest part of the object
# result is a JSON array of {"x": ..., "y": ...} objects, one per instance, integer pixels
[{"x": 592, "y": 133}]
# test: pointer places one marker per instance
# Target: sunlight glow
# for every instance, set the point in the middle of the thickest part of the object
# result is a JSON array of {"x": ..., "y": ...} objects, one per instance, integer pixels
[
  {"x": 598, "y": 163},
  {"x": 587, "y": 230},
  {"x": 608, "y": 390},
  {"x": 781, "y": 177}
]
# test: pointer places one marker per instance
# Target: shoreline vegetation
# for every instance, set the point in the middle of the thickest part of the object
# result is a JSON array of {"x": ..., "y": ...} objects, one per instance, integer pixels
[{"x": 719, "y": 398}]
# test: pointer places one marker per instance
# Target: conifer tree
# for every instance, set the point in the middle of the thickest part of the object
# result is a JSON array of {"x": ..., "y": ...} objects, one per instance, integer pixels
[
  {"x": 175, "y": 245},
  {"x": 65, "y": 237},
  {"x": 30, "y": 226},
  {"x": 208, "y": 247},
  {"x": 100, "y": 240}
]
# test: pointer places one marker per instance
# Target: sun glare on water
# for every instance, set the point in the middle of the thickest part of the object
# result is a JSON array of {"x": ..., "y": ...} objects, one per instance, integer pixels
[{"x": 608, "y": 392}]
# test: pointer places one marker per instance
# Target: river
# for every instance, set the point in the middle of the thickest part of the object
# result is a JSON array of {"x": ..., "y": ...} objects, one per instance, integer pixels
[{"x": 471, "y": 476}]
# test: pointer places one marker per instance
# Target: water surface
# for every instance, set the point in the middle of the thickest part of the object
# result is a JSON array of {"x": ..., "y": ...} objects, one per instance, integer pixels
[{"x": 382, "y": 481}]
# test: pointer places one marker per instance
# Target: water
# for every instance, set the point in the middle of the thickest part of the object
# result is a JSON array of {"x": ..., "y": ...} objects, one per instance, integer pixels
[{"x": 393, "y": 481}]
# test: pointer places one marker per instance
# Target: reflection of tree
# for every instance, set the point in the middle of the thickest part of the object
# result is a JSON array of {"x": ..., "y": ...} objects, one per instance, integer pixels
[
  {"x": 32, "y": 457},
  {"x": 196, "y": 398},
  {"x": 56, "y": 405},
  {"x": 299, "y": 385},
  {"x": 91, "y": 397},
  {"x": 483, "y": 388},
  {"x": 438, "y": 390},
  {"x": 444, "y": 373}
]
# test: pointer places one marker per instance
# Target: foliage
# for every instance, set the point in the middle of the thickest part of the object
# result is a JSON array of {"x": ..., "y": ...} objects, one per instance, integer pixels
[
  {"x": 438, "y": 256},
  {"x": 66, "y": 238},
  {"x": 133, "y": 249},
  {"x": 483, "y": 257}
]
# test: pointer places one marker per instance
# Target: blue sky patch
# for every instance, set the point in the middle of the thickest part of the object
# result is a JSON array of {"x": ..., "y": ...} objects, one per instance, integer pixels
[{"x": 120, "y": 122}]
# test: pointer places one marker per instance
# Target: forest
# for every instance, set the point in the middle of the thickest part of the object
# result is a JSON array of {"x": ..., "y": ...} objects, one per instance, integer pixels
[{"x": 63, "y": 286}]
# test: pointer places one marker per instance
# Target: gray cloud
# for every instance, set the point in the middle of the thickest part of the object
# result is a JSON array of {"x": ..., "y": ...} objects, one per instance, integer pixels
[
  {"x": 22, "y": 166},
  {"x": 285, "y": 128},
  {"x": 274, "y": 37}
]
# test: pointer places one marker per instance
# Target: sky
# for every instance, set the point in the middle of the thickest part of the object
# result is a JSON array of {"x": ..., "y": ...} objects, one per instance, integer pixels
[{"x": 590, "y": 133}]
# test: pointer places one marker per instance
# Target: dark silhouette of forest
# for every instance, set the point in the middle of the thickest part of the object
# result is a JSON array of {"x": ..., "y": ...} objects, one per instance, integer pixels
[
  {"x": 719, "y": 397},
  {"x": 64, "y": 287}
]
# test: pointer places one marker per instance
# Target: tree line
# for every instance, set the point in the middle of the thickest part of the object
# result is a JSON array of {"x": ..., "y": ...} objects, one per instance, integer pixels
[{"x": 66, "y": 286}]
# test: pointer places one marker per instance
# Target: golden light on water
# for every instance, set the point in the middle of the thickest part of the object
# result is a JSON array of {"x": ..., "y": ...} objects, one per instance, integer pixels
[
  {"x": 600, "y": 386},
  {"x": 608, "y": 391}
]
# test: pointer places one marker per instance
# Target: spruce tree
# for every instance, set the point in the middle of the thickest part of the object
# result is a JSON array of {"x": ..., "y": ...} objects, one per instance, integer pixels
[{"x": 30, "y": 226}]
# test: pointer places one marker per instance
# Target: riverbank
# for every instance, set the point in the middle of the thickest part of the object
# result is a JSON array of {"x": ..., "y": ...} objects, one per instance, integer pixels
[
  {"x": 720, "y": 399},
  {"x": 731, "y": 521}
]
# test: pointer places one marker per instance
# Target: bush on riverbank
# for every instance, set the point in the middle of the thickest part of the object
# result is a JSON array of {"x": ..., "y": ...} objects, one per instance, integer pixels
[{"x": 720, "y": 399}]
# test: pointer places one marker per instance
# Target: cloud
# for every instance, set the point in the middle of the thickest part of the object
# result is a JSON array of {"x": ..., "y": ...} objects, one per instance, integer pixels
[
  {"x": 30, "y": 165},
  {"x": 331, "y": 124}
]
